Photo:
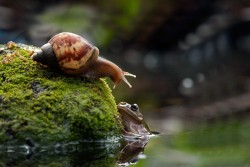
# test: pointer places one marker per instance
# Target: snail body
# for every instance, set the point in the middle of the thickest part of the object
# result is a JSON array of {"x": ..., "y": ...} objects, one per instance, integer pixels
[{"x": 74, "y": 55}]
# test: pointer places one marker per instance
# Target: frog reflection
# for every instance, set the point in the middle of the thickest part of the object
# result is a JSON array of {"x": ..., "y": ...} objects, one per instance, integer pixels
[
  {"x": 131, "y": 151},
  {"x": 132, "y": 120}
]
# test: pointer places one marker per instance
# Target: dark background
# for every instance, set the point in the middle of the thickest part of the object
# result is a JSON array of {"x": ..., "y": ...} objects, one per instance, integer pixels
[{"x": 189, "y": 54}]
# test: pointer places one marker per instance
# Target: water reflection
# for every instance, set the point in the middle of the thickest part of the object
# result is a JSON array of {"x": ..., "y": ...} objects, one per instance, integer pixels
[
  {"x": 67, "y": 154},
  {"x": 217, "y": 143},
  {"x": 95, "y": 153},
  {"x": 131, "y": 151}
]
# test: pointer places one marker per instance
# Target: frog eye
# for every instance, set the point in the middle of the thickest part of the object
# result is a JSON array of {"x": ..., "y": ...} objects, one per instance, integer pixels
[{"x": 134, "y": 107}]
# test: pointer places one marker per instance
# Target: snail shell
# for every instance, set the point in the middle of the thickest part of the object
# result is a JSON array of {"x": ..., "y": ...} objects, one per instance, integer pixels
[{"x": 74, "y": 55}]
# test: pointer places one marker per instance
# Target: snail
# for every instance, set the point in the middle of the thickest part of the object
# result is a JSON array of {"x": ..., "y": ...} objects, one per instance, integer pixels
[{"x": 74, "y": 55}]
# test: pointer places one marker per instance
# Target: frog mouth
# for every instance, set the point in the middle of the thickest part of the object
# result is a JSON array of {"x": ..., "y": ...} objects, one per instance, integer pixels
[{"x": 124, "y": 108}]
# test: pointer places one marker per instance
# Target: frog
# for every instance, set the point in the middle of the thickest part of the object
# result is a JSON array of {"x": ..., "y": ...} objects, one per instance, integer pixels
[{"x": 133, "y": 122}]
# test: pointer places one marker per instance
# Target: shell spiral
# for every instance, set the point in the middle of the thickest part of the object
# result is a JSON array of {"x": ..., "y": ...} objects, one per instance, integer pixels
[{"x": 74, "y": 54}]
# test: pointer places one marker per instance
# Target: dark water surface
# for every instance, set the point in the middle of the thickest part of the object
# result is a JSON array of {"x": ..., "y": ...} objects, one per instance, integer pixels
[
  {"x": 99, "y": 153},
  {"x": 219, "y": 143}
]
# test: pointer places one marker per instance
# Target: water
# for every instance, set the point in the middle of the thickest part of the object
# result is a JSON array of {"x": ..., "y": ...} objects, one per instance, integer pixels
[
  {"x": 219, "y": 143},
  {"x": 222, "y": 143},
  {"x": 70, "y": 154}
]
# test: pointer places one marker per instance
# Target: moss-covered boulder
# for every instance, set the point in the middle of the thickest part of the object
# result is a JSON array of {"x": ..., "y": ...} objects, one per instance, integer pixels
[{"x": 45, "y": 106}]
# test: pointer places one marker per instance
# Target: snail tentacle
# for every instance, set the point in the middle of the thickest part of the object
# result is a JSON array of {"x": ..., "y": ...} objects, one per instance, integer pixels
[{"x": 125, "y": 80}]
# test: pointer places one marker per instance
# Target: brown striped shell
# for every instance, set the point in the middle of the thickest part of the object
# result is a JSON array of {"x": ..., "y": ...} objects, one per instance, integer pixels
[{"x": 74, "y": 54}]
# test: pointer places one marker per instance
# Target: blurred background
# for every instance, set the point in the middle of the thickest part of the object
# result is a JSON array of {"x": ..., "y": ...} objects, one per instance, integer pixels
[{"x": 191, "y": 57}]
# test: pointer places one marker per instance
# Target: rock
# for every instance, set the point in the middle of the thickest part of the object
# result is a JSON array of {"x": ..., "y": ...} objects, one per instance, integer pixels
[{"x": 44, "y": 106}]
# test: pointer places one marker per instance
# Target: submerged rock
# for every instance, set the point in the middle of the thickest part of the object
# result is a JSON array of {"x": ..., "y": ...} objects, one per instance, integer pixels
[{"x": 45, "y": 106}]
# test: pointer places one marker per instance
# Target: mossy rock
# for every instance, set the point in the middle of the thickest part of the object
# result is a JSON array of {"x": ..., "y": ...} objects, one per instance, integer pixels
[{"x": 46, "y": 106}]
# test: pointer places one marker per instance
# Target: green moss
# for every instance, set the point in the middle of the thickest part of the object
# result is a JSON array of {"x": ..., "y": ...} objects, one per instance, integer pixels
[{"x": 44, "y": 105}]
